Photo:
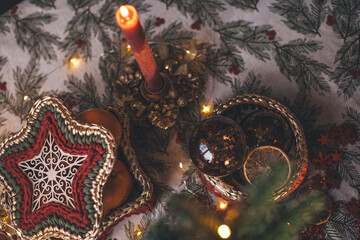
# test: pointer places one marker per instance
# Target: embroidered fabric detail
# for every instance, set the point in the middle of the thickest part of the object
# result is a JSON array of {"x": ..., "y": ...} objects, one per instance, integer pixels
[{"x": 52, "y": 173}]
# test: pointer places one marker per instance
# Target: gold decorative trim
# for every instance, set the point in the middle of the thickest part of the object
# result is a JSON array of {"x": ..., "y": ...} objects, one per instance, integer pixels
[{"x": 297, "y": 165}]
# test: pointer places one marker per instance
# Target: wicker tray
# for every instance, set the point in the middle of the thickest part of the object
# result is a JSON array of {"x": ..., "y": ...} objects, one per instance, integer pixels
[{"x": 299, "y": 162}]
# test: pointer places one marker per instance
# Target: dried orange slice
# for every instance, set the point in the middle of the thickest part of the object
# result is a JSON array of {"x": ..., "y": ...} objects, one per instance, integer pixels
[{"x": 265, "y": 158}]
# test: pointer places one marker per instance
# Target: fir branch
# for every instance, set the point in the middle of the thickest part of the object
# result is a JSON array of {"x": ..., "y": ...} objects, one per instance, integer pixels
[
  {"x": 342, "y": 225},
  {"x": 352, "y": 156},
  {"x": 244, "y": 4},
  {"x": 153, "y": 140},
  {"x": 3, "y": 20},
  {"x": 299, "y": 17},
  {"x": 149, "y": 27},
  {"x": 111, "y": 65},
  {"x": 218, "y": 64},
  {"x": 3, "y": 61},
  {"x": 349, "y": 61},
  {"x": 27, "y": 83},
  {"x": 84, "y": 92},
  {"x": 353, "y": 117},
  {"x": 78, "y": 4},
  {"x": 130, "y": 231},
  {"x": 173, "y": 35},
  {"x": 152, "y": 165},
  {"x": 252, "y": 39},
  {"x": 348, "y": 172},
  {"x": 44, "y": 3},
  {"x": 308, "y": 114},
  {"x": 252, "y": 84},
  {"x": 346, "y": 16},
  {"x": 295, "y": 65},
  {"x": 205, "y": 11},
  {"x": 79, "y": 29},
  {"x": 30, "y": 36}
]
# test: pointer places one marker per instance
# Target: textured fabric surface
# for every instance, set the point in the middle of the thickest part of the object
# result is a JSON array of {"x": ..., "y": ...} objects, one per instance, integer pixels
[{"x": 304, "y": 54}]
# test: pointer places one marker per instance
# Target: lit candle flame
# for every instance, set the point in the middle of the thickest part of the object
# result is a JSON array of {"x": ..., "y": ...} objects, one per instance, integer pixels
[{"x": 124, "y": 11}]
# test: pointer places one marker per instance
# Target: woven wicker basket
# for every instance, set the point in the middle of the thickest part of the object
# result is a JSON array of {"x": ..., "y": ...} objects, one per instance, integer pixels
[{"x": 298, "y": 163}]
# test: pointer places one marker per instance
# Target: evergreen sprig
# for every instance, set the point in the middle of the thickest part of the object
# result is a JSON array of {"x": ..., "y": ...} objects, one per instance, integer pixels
[
  {"x": 244, "y": 4},
  {"x": 341, "y": 225},
  {"x": 295, "y": 65},
  {"x": 349, "y": 61},
  {"x": 84, "y": 92},
  {"x": 298, "y": 15},
  {"x": 346, "y": 16},
  {"x": 257, "y": 217},
  {"x": 173, "y": 35},
  {"x": 206, "y": 11},
  {"x": 348, "y": 172},
  {"x": 241, "y": 34},
  {"x": 353, "y": 117},
  {"x": 87, "y": 23},
  {"x": 27, "y": 83},
  {"x": 29, "y": 34},
  {"x": 252, "y": 84},
  {"x": 308, "y": 113},
  {"x": 44, "y": 3}
]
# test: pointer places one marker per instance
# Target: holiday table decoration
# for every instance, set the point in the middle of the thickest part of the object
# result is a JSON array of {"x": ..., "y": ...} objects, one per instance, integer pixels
[
  {"x": 239, "y": 107},
  {"x": 217, "y": 146},
  {"x": 55, "y": 172},
  {"x": 266, "y": 127},
  {"x": 128, "y": 20},
  {"x": 182, "y": 85},
  {"x": 267, "y": 158}
]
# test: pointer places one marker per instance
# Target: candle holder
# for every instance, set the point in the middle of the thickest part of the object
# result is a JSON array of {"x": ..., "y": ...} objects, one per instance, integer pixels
[{"x": 159, "y": 108}]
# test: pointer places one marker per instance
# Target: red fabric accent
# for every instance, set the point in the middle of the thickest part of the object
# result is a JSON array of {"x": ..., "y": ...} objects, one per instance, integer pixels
[
  {"x": 209, "y": 187},
  {"x": 78, "y": 216}
]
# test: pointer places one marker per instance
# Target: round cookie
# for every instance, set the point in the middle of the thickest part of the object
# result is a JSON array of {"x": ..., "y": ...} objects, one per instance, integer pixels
[
  {"x": 117, "y": 188},
  {"x": 103, "y": 118}
]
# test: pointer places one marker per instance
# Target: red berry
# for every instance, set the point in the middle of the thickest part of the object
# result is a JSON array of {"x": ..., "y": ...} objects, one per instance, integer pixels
[
  {"x": 159, "y": 21},
  {"x": 14, "y": 9},
  {"x": 271, "y": 34},
  {"x": 3, "y": 86},
  {"x": 79, "y": 43},
  {"x": 330, "y": 20},
  {"x": 196, "y": 25}
]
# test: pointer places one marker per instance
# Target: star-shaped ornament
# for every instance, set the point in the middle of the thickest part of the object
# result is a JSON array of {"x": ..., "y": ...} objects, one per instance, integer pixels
[{"x": 53, "y": 171}]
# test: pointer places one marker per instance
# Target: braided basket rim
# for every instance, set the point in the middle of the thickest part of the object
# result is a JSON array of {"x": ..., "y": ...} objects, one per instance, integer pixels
[
  {"x": 299, "y": 163},
  {"x": 147, "y": 187}
]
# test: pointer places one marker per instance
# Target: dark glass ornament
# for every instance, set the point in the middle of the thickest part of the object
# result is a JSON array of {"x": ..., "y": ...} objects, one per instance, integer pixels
[
  {"x": 265, "y": 127},
  {"x": 218, "y": 146}
]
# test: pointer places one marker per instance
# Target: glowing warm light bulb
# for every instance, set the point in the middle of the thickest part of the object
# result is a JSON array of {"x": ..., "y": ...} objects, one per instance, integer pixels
[
  {"x": 205, "y": 109},
  {"x": 181, "y": 165},
  {"x": 74, "y": 61},
  {"x": 223, "y": 205},
  {"x": 187, "y": 51},
  {"x": 224, "y": 231},
  {"x": 138, "y": 233},
  {"x": 26, "y": 97},
  {"x": 124, "y": 11}
]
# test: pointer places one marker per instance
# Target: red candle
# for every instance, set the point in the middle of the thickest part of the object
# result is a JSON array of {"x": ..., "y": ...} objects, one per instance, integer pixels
[{"x": 128, "y": 20}]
